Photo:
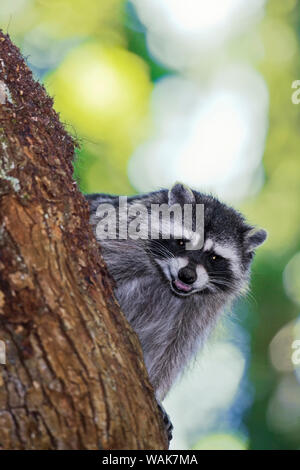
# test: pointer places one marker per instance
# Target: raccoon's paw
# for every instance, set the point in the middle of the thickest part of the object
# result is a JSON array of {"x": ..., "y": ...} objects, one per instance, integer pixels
[{"x": 167, "y": 421}]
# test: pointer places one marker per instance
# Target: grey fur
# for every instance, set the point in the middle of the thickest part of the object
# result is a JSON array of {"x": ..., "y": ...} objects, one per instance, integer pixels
[{"x": 171, "y": 327}]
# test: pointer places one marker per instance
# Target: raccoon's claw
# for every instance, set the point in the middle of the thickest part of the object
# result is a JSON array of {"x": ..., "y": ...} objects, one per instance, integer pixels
[{"x": 167, "y": 421}]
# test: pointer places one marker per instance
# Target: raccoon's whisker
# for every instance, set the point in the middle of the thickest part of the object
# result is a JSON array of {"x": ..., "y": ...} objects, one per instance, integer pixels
[
  {"x": 161, "y": 249},
  {"x": 212, "y": 288},
  {"x": 249, "y": 298},
  {"x": 225, "y": 278},
  {"x": 219, "y": 280},
  {"x": 161, "y": 253}
]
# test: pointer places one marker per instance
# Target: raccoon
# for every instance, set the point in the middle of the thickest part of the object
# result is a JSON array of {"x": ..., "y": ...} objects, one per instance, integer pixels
[{"x": 172, "y": 296}]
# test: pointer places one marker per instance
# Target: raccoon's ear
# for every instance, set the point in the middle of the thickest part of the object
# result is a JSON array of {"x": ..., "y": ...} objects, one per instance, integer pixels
[
  {"x": 180, "y": 194},
  {"x": 254, "y": 238}
]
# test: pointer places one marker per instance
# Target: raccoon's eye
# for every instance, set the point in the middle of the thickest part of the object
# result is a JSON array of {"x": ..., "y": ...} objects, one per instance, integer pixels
[
  {"x": 214, "y": 257},
  {"x": 180, "y": 243}
]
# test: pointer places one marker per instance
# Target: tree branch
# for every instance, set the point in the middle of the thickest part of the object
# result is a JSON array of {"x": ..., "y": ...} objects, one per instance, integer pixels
[{"x": 74, "y": 376}]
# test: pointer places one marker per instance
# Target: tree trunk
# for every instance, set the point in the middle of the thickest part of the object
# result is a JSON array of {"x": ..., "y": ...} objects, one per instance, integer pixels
[{"x": 74, "y": 376}]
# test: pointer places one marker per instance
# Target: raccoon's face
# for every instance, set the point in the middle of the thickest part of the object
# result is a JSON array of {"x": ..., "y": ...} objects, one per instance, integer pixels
[{"x": 223, "y": 262}]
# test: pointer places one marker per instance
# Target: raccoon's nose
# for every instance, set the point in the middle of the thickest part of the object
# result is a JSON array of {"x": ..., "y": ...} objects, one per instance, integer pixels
[{"x": 187, "y": 275}]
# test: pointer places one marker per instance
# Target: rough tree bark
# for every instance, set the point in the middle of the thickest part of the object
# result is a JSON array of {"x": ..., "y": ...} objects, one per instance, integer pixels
[{"x": 74, "y": 376}]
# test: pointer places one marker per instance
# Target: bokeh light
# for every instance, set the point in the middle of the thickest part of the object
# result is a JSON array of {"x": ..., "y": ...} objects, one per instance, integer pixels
[
  {"x": 291, "y": 278},
  {"x": 180, "y": 34},
  {"x": 284, "y": 408},
  {"x": 210, "y": 388},
  {"x": 187, "y": 118},
  {"x": 281, "y": 346},
  {"x": 103, "y": 91},
  {"x": 222, "y": 441}
]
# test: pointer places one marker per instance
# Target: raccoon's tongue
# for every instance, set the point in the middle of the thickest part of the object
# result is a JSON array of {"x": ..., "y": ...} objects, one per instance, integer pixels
[{"x": 181, "y": 286}]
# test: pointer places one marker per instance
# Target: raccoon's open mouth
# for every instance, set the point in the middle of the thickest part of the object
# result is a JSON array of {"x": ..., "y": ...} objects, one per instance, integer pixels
[{"x": 181, "y": 288}]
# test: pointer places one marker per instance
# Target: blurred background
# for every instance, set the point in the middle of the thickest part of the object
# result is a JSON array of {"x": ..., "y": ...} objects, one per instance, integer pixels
[{"x": 157, "y": 91}]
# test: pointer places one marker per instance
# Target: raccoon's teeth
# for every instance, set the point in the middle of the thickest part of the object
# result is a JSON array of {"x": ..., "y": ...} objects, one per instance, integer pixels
[{"x": 181, "y": 286}]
